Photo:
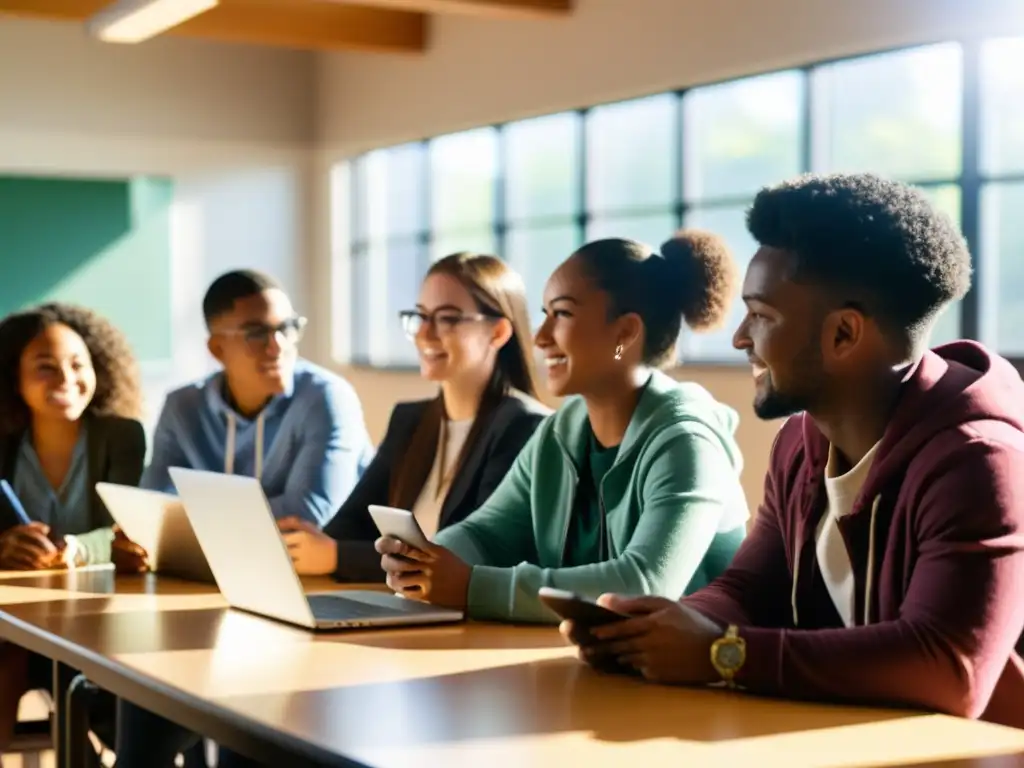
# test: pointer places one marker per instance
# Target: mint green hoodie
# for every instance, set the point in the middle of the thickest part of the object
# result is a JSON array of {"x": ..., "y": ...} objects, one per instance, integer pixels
[{"x": 673, "y": 490}]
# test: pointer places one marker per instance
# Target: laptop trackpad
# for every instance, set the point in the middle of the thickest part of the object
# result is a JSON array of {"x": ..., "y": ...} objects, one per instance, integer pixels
[{"x": 367, "y": 603}]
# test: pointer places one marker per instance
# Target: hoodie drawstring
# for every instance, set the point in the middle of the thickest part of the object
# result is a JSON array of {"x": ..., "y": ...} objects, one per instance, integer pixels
[
  {"x": 869, "y": 580},
  {"x": 796, "y": 575},
  {"x": 258, "y": 466},
  {"x": 229, "y": 447}
]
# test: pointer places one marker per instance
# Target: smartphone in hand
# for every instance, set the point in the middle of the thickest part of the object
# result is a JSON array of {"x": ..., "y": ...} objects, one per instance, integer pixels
[
  {"x": 582, "y": 612},
  {"x": 584, "y": 615},
  {"x": 399, "y": 524}
]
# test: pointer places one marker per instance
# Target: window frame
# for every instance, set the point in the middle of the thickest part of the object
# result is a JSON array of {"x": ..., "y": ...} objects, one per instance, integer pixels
[{"x": 971, "y": 180}]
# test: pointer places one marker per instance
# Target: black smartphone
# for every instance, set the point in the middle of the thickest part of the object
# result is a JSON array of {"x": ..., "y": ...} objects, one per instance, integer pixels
[
  {"x": 580, "y": 611},
  {"x": 584, "y": 614}
]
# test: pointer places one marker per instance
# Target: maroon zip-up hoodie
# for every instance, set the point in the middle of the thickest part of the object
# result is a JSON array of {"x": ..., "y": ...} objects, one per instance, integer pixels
[{"x": 936, "y": 541}]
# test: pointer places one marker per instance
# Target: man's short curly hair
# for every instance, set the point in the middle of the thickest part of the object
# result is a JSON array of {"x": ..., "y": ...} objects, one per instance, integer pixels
[
  {"x": 118, "y": 388},
  {"x": 873, "y": 243}
]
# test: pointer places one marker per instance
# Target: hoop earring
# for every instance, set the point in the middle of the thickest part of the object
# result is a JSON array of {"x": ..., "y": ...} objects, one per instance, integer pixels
[{"x": 618, "y": 352}]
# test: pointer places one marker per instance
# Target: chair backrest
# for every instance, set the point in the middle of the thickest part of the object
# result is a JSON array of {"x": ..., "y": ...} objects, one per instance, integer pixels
[{"x": 31, "y": 736}]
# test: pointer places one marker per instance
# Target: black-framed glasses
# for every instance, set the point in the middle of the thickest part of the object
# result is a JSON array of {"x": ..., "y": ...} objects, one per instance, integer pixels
[
  {"x": 257, "y": 336},
  {"x": 445, "y": 321}
]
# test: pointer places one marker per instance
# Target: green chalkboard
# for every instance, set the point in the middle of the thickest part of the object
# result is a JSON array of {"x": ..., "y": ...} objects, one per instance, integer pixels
[{"x": 104, "y": 244}]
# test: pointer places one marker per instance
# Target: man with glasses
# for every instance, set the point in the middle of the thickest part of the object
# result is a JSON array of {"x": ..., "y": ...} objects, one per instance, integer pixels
[{"x": 267, "y": 414}]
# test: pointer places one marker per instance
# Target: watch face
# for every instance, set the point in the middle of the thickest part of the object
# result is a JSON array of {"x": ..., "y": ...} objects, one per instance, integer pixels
[{"x": 729, "y": 655}]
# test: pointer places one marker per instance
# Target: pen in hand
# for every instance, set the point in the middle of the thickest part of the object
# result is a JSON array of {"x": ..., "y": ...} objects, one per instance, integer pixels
[
  {"x": 15, "y": 503},
  {"x": 20, "y": 557}
]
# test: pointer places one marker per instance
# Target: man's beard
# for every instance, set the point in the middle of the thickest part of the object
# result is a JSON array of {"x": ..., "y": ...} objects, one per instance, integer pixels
[
  {"x": 777, "y": 405},
  {"x": 771, "y": 403}
]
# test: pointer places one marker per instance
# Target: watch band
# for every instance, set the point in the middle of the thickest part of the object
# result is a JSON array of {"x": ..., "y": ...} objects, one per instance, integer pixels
[
  {"x": 729, "y": 675},
  {"x": 728, "y": 654}
]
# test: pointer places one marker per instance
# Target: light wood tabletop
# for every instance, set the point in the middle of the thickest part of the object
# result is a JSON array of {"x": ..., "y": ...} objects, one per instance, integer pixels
[{"x": 462, "y": 695}]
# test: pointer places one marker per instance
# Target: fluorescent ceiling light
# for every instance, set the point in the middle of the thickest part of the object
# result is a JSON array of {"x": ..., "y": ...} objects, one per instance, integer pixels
[{"x": 132, "y": 21}]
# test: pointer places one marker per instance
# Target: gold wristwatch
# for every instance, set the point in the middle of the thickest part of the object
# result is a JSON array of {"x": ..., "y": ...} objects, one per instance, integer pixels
[{"x": 728, "y": 653}]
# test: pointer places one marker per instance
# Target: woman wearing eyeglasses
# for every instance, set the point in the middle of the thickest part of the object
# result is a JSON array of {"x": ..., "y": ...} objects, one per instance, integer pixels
[
  {"x": 633, "y": 485},
  {"x": 441, "y": 458}
]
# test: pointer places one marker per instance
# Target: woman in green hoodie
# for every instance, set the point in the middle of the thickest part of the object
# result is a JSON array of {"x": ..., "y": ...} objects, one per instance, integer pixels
[{"x": 633, "y": 485}]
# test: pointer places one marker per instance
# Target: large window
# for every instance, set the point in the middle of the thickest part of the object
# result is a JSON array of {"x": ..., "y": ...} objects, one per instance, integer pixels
[
  {"x": 390, "y": 231},
  {"x": 948, "y": 118},
  {"x": 463, "y": 169},
  {"x": 900, "y": 115},
  {"x": 737, "y": 137},
  {"x": 897, "y": 114},
  {"x": 1001, "y": 130},
  {"x": 543, "y": 196},
  {"x": 631, "y": 175}
]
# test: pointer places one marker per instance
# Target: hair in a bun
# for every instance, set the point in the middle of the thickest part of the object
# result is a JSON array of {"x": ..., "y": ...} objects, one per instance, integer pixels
[
  {"x": 704, "y": 275},
  {"x": 693, "y": 277}
]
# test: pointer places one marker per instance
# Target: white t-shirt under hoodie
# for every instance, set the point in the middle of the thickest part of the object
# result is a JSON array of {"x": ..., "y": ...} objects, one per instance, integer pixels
[{"x": 833, "y": 557}]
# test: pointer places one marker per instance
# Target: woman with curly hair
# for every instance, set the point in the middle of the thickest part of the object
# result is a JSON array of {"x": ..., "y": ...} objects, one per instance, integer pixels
[{"x": 70, "y": 403}]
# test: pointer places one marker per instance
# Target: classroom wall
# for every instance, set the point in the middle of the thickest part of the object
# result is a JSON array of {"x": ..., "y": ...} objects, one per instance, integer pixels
[
  {"x": 230, "y": 125},
  {"x": 481, "y": 71},
  {"x": 84, "y": 241}
]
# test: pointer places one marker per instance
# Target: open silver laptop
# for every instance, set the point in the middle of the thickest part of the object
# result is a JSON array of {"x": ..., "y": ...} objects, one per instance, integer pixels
[
  {"x": 157, "y": 522},
  {"x": 234, "y": 524}
]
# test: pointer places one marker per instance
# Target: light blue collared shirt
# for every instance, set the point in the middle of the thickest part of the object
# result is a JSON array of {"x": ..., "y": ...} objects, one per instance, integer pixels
[{"x": 65, "y": 510}]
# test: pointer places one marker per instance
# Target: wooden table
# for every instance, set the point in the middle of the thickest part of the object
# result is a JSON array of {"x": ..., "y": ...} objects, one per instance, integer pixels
[{"x": 467, "y": 695}]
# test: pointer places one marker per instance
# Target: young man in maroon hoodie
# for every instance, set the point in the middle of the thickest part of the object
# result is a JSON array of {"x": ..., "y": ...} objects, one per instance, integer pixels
[{"x": 886, "y": 564}]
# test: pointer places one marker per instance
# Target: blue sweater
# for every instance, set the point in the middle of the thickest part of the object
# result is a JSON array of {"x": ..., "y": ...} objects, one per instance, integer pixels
[{"x": 308, "y": 446}]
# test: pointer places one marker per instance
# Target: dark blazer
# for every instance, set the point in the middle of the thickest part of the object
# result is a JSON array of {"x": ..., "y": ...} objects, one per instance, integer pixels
[
  {"x": 498, "y": 444},
  {"x": 116, "y": 453}
]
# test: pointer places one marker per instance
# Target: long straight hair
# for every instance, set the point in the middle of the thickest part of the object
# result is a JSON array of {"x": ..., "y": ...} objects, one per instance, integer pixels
[{"x": 499, "y": 293}]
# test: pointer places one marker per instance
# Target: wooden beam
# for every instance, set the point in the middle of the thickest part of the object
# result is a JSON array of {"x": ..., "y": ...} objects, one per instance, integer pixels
[
  {"x": 57, "y": 10},
  {"x": 286, "y": 23},
  {"x": 311, "y": 26},
  {"x": 504, "y": 9}
]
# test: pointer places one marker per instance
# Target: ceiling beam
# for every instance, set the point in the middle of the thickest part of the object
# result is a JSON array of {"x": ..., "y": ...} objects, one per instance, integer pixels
[
  {"x": 290, "y": 24},
  {"x": 310, "y": 25},
  {"x": 504, "y": 9}
]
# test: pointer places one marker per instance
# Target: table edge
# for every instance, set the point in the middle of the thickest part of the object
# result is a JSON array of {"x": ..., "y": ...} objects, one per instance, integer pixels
[{"x": 238, "y": 732}]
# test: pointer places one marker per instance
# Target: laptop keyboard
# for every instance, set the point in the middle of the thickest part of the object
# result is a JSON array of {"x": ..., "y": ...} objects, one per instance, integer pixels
[{"x": 335, "y": 607}]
